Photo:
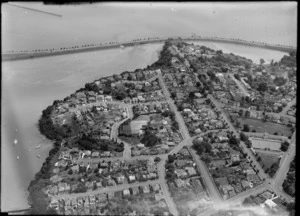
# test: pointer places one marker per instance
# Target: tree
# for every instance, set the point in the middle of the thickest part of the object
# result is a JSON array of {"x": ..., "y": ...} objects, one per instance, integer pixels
[
  {"x": 191, "y": 95},
  {"x": 275, "y": 133},
  {"x": 219, "y": 52},
  {"x": 241, "y": 112},
  {"x": 157, "y": 159},
  {"x": 246, "y": 128},
  {"x": 237, "y": 76},
  {"x": 171, "y": 158},
  {"x": 70, "y": 172},
  {"x": 262, "y": 61},
  {"x": 234, "y": 141},
  {"x": 247, "y": 114},
  {"x": 284, "y": 146},
  {"x": 243, "y": 137},
  {"x": 262, "y": 87}
]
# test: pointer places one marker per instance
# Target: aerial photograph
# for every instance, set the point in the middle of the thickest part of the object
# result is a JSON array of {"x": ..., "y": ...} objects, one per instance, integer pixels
[{"x": 148, "y": 108}]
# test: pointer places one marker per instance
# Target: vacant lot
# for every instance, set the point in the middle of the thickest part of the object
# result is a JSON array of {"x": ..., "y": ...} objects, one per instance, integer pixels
[
  {"x": 267, "y": 159},
  {"x": 268, "y": 127}
]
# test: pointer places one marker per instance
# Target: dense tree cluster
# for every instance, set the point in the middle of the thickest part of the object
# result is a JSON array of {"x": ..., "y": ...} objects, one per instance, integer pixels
[
  {"x": 246, "y": 128},
  {"x": 279, "y": 81},
  {"x": 149, "y": 138},
  {"x": 289, "y": 61},
  {"x": 272, "y": 170},
  {"x": 289, "y": 183},
  {"x": 202, "y": 147},
  {"x": 284, "y": 146},
  {"x": 86, "y": 142}
]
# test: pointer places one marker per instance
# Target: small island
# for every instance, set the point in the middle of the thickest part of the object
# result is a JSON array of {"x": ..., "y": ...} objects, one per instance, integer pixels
[{"x": 195, "y": 129}]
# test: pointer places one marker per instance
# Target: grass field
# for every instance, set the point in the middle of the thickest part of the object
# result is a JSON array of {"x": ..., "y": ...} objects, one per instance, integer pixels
[
  {"x": 268, "y": 159},
  {"x": 268, "y": 127}
]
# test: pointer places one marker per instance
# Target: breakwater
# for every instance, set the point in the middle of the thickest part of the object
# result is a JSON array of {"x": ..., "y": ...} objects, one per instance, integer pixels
[{"x": 12, "y": 55}]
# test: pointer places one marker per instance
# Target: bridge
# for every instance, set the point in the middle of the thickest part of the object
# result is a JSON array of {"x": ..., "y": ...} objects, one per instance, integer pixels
[{"x": 26, "y": 54}]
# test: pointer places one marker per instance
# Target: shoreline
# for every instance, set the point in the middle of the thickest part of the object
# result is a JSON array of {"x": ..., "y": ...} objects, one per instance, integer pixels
[{"x": 31, "y": 55}]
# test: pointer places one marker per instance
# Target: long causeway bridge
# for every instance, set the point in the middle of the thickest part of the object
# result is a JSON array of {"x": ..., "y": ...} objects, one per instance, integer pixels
[{"x": 26, "y": 54}]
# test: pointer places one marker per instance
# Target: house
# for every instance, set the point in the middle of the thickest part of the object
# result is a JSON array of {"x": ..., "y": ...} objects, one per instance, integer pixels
[
  {"x": 92, "y": 199},
  {"x": 111, "y": 182},
  {"x": 231, "y": 193},
  {"x": 180, "y": 163},
  {"x": 238, "y": 188},
  {"x": 180, "y": 173},
  {"x": 184, "y": 152},
  {"x": 191, "y": 171},
  {"x": 89, "y": 185},
  {"x": 258, "y": 200},
  {"x": 159, "y": 196},
  {"x": 106, "y": 154},
  {"x": 217, "y": 163},
  {"x": 145, "y": 189},
  {"x": 99, "y": 184},
  {"x": 134, "y": 191},
  {"x": 267, "y": 195},
  {"x": 253, "y": 178},
  {"x": 155, "y": 187},
  {"x": 53, "y": 190},
  {"x": 102, "y": 197},
  {"x": 87, "y": 153},
  {"x": 95, "y": 154},
  {"x": 235, "y": 156},
  {"x": 120, "y": 179},
  {"x": 179, "y": 96},
  {"x": 140, "y": 145},
  {"x": 270, "y": 204},
  {"x": 179, "y": 183},
  {"x": 110, "y": 195},
  {"x": 126, "y": 192},
  {"x": 222, "y": 181},
  {"x": 131, "y": 178}
]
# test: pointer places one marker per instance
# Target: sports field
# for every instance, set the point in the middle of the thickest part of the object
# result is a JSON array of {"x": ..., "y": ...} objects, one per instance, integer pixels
[{"x": 258, "y": 143}]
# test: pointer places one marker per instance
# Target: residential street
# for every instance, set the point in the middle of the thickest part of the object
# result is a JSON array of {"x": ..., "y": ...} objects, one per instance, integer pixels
[
  {"x": 106, "y": 189},
  {"x": 208, "y": 181},
  {"x": 285, "y": 109},
  {"x": 284, "y": 168},
  {"x": 239, "y": 84}
]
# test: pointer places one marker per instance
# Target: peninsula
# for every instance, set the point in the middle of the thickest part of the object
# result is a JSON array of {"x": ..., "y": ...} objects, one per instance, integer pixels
[{"x": 195, "y": 132}]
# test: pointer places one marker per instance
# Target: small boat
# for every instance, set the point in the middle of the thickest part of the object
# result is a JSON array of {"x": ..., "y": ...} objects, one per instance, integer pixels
[
  {"x": 15, "y": 141},
  {"x": 122, "y": 47},
  {"x": 18, "y": 157},
  {"x": 38, "y": 147},
  {"x": 38, "y": 156}
]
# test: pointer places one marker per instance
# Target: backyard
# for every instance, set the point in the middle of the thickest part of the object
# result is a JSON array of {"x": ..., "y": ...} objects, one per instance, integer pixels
[{"x": 268, "y": 127}]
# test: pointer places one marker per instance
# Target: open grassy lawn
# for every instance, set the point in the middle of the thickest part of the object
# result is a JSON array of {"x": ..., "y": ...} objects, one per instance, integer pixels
[
  {"x": 268, "y": 127},
  {"x": 268, "y": 159}
]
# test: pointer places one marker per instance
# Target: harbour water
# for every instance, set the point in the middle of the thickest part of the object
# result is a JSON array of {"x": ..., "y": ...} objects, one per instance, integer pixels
[{"x": 29, "y": 86}]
